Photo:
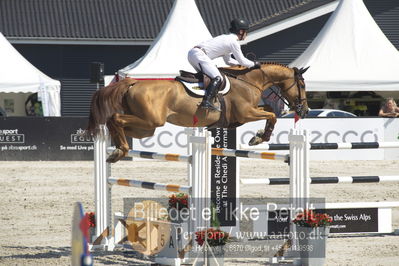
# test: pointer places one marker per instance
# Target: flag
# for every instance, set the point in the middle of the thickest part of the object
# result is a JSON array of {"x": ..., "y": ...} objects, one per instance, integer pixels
[
  {"x": 195, "y": 120},
  {"x": 296, "y": 119},
  {"x": 84, "y": 226}
]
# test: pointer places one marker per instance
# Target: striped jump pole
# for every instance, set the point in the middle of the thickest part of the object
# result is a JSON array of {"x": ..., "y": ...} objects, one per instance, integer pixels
[
  {"x": 327, "y": 146},
  {"x": 249, "y": 154},
  {"x": 155, "y": 155},
  {"x": 322, "y": 180},
  {"x": 148, "y": 185},
  {"x": 353, "y": 145}
]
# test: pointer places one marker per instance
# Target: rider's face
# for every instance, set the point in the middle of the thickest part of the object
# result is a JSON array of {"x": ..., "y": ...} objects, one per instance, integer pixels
[{"x": 242, "y": 35}]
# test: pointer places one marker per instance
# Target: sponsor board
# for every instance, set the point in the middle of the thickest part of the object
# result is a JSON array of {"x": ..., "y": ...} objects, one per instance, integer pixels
[
  {"x": 61, "y": 138},
  {"x": 224, "y": 185},
  {"x": 171, "y": 138},
  {"x": 351, "y": 217},
  {"x": 321, "y": 130},
  {"x": 167, "y": 139},
  {"x": 327, "y": 130},
  {"x": 47, "y": 139}
]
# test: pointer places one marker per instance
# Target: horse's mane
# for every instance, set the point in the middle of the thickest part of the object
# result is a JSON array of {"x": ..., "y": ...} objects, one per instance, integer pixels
[
  {"x": 241, "y": 70},
  {"x": 274, "y": 63}
]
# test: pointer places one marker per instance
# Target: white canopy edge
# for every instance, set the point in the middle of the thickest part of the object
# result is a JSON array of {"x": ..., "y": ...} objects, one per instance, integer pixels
[
  {"x": 183, "y": 29},
  {"x": 350, "y": 53},
  {"x": 18, "y": 75}
]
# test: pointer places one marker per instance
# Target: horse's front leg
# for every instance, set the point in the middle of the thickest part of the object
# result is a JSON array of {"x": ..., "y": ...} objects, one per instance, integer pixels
[{"x": 264, "y": 134}]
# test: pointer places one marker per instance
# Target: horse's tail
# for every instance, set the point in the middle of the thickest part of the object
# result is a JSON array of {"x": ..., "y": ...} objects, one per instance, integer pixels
[{"x": 107, "y": 101}]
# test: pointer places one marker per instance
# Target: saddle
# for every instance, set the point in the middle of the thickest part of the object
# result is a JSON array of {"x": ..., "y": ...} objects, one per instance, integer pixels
[{"x": 199, "y": 78}]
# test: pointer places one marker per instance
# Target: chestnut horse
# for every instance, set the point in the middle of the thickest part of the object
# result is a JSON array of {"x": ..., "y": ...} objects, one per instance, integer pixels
[{"x": 135, "y": 108}]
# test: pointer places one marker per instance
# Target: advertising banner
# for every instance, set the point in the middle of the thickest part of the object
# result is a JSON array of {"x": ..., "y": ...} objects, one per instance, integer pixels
[
  {"x": 45, "y": 139},
  {"x": 61, "y": 138},
  {"x": 223, "y": 177},
  {"x": 345, "y": 220},
  {"x": 332, "y": 130}
]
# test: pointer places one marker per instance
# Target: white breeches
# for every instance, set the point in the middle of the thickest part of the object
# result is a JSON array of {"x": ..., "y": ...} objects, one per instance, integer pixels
[{"x": 201, "y": 62}]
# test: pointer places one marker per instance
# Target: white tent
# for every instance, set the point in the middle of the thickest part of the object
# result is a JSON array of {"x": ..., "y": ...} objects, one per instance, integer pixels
[
  {"x": 350, "y": 53},
  {"x": 17, "y": 75},
  {"x": 183, "y": 29}
]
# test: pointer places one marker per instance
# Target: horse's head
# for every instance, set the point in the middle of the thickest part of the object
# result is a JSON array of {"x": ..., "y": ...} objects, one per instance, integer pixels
[
  {"x": 292, "y": 87},
  {"x": 296, "y": 95}
]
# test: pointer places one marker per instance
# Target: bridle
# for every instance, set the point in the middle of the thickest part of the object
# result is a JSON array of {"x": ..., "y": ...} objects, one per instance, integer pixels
[{"x": 298, "y": 103}]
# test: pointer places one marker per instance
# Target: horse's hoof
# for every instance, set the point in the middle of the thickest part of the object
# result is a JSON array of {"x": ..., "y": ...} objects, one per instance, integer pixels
[
  {"x": 260, "y": 133},
  {"x": 255, "y": 141},
  {"x": 115, "y": 156},
  {"x": 111, "y": 159}
]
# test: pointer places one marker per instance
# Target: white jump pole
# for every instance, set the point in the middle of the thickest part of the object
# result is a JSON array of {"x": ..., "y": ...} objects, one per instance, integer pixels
[
  {"x": 299, "y": 169},
  {"x": 102, "y": 190},
  {"x": 299, "y": 176},
  {"x": 200, "y": 146}
]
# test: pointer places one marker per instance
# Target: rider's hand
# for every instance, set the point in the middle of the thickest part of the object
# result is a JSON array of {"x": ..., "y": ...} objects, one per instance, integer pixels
[{"x": 256, "y": 65}]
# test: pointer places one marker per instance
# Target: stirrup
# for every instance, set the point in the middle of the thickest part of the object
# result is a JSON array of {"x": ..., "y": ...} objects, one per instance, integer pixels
[{"x": 208, "y": 105}]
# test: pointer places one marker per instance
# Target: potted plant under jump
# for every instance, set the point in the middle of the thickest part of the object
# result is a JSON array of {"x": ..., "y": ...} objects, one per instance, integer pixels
[
  {"x": 312, "y": 231},
  {"x": 178, "y": 208},
  {"x": 213, "y": 240}
]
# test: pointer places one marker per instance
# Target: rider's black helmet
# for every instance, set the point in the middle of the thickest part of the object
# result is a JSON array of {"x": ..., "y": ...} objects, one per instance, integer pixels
[{"x": 238, "y": 24}]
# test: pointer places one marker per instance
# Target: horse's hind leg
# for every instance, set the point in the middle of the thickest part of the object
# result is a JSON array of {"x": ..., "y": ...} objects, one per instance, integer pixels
[
  {"x": 134, "y": 126},
  {"x": 119, "y": 138}
]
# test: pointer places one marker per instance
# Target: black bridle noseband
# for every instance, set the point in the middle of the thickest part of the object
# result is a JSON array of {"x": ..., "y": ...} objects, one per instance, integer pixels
[{"x": 298, "y": 104}]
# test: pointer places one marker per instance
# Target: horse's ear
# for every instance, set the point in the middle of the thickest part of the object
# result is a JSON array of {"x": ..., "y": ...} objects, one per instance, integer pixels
[{"x": 303, "y": 70}]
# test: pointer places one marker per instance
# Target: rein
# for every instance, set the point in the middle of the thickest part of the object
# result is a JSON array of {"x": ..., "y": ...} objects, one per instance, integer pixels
[
  {"x": 246, "y": 81},
  {"x": 297, "y": 78}
]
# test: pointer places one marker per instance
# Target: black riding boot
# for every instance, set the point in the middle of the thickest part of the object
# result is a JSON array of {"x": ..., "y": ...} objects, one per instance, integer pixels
[{"x": 210, "y": 93}]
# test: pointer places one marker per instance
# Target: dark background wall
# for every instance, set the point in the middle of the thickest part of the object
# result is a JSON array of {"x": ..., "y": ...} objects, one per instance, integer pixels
[{"x": 71, "y": 65}]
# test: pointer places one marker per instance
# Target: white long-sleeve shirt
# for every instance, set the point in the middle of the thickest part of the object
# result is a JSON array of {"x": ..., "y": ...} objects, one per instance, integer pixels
[{"x": 225, "y": 45}]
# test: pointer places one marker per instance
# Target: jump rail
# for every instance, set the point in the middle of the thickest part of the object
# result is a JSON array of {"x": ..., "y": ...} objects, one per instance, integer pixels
[
  {"x": 327, "y": 146},
  {"x": 322, "y": 180},
  {"x": 215, "y": 151},
  {"x": 249, "y": 154},
  {"x": 155, "y": 155},
  {"x": 148, "y": 185}
]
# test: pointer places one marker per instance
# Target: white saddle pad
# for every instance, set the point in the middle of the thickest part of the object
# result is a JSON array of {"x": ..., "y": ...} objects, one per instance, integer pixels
[{"x": 196, "y": 88}]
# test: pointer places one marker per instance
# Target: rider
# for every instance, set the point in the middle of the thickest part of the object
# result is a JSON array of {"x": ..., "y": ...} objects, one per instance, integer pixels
[{"x": 200, "y": 57}]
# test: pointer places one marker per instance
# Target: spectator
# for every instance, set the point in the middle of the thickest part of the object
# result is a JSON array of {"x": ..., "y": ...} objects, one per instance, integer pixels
[
  {"x": 389, "y": 109},
  {"x": 33, "y": 107},
  {"x": 2, "y": 112},
  {"x": 331, "y": 104}
]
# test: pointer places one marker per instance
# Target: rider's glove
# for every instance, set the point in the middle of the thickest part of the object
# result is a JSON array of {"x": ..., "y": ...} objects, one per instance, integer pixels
[{"x": 256, "y": 65}]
